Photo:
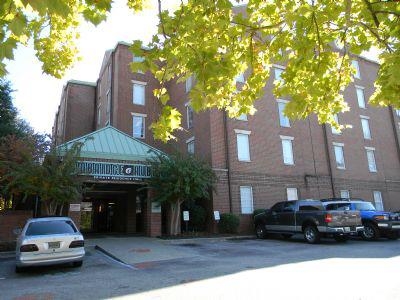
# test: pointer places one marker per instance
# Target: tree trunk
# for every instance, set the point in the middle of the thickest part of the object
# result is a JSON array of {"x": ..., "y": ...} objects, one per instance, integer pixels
[{"x": 175, "y": 210}]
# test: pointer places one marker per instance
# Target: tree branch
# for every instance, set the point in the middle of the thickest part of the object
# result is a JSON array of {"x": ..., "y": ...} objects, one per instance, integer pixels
[
  {"x": 374, "y": 17},
  {"x": 377, "y": 36}
]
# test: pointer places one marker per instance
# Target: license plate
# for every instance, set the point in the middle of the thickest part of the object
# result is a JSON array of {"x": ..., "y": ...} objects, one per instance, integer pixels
[
  {"x": 347, "y": 229},
  {"x": 54, "y": 245}
]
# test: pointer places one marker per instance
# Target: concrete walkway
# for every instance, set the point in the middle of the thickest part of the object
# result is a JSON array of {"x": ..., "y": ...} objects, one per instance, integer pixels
[{"x": 138, "y": 250}]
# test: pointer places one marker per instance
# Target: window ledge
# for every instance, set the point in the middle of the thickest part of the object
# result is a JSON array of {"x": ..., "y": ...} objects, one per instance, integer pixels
[{"x": 246, "y": 161}]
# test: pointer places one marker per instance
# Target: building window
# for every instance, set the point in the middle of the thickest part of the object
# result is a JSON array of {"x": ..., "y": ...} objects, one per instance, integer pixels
[
  {"x": 242, "y": 117},
  {"x": 243, "y": 147},
  {"x": 278, "y": 70},
  {"x": 356, "y": 66},
  {"x": 398, "y": 112},
  {"x": 334, "y": 130},
  {"x": 292, "y": 194},
  {"x": 99, "y": 89},
  {"x": 246, "y": 199},
  {"x": 283, "y": 120},
  {"x": 138, "y": 125},
  {"x": 378, "y": 200},
  {"x": 338, "y": 148},
  {"x": 239, "y": 78},
  {"x": 138, "y": 59},
  {"x": 190, "y": 145},
  {"x": 189, "y": 115},
  {"x": 139, "y": 91},
  {"x": 360, "y": 97},
  {"x": 344, "y": 194},
  {"x": 109, "y": 73},
  {"x": 365, "y": 127},
  {"x": 287, "y": 150},
  {"x": 371, "y": 159},
  {"x": 108, "y": 108},
  {"x": 189, "y": 83},
  {"x": 98, "y": 115}
]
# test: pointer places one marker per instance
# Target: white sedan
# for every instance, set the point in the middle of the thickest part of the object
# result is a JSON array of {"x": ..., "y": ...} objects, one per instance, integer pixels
[{"x": 48, "y": 241}]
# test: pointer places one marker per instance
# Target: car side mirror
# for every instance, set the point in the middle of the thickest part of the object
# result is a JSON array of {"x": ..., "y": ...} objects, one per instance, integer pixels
[{"x": 17, "y": 231}]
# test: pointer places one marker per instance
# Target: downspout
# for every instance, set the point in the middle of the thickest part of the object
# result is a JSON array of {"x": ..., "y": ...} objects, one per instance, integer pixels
[
  {"x": 329, "y": 160},
  {"x": 112, "y": 88},
  {"x": 227, "y": 160}
]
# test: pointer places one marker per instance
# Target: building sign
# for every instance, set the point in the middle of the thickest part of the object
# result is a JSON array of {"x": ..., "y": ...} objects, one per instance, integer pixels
[
  {"x": 74, "y": 207},
  {"x": 113, "y": 171}
]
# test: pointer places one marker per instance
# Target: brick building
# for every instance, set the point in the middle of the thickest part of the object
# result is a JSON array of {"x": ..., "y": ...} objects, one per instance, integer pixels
[{"x": 259, "y": 159}]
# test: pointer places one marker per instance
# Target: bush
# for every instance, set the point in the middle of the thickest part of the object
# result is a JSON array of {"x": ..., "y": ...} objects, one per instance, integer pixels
[
  {"x": 228, "y": 223},
  {"x": 258, "y": 211}
]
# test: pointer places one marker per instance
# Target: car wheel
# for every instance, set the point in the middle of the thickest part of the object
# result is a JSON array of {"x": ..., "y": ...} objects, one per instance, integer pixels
[
  {"x": 393, "y": 235},
  {"x": 311, "y": 234},
  {"x": 287, "y": 235},
  {"x": 341, "y": 238},
  {"x": 261, "y": 232},
  {"x": 370, "y": 233},
  {"x": 77, "y": 263}
]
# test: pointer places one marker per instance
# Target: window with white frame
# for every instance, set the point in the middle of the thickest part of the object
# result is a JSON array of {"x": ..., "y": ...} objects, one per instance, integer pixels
[
  {"x": 189, "y": 84},
  {"x": 292, "y": 194},
  {"x": 278, "y": 70},
  {"x": 190, "y": 145},
  {"x": 242, "y": 117},
  {"x": 108, "y": 108},
  {"x": 365, "y": 127},
  {"x": 243, "y": 145},
  {"x": 138, "y": 121},
  {"x": 287, "y": 150},
  {"x": 378, "y": 200},
  {"x": 360, "y": 96},
  {"x": 98, "y": 114},
  {"x": 109, "y": 73},
  {"x": 138, "y": 92},
  {"x": 356, "y": 66},
  {"x": 334, "y": 130},
  {"x": 283, "y": 120},
  {"x": 371, "y": 159},
  {"x": 138, "y": 59},
  {"x": 189, "y": 115},
  {"x": 344, "y": 194},
  {"x": 246, "y": 199},
  {"x": 339, "y": 155},
  {"x": 239, "y": 78}
]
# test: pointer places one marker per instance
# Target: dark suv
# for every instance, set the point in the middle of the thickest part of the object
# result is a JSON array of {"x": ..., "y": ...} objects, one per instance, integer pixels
[{"x": 376, "y": 223}]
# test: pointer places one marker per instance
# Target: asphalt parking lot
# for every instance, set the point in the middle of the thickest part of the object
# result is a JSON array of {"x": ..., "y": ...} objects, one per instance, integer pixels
[{"x": 221, "y": 269}]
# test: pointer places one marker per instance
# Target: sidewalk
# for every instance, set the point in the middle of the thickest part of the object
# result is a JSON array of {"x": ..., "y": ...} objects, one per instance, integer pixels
[{"x": 137, "y": 250}]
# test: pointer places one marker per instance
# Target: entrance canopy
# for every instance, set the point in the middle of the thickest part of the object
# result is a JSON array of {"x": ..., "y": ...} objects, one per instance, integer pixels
[
  {"x": 111, "y": 155},
  {"x": 109, "y": 143}
]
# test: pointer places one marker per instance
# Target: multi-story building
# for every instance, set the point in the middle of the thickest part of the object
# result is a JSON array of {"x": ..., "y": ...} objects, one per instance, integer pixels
[{"x": 259, "y": 159}]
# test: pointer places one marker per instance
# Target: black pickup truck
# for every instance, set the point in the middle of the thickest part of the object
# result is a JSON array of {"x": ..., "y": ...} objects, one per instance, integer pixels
[{"x": 310, "y": 218}]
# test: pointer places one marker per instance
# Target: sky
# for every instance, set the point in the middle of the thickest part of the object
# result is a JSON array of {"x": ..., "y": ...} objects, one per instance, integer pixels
[{"x": 38, "y": 95}]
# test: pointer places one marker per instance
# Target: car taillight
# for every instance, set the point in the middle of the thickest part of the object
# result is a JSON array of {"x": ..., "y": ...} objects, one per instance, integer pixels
[
  {"x": 382, "y": 218},
  {"x": 77, "y": 244},
  {"x": 328, "y": 218},
  {"x": 29, "y": 248}
]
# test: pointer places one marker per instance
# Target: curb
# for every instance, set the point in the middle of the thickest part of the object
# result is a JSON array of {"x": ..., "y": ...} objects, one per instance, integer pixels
[
  {"x": 209, "y": 239},
  {"x": 97, "y": 247},
  {"x": 7, "y": 254}
]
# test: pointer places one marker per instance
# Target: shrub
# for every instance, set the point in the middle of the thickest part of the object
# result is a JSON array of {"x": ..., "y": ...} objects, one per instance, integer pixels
[{"x": 228, "y": 223}]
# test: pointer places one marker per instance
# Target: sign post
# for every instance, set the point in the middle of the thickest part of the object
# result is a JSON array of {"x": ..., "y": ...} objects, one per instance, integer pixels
[{"x": 186, "y": 218}]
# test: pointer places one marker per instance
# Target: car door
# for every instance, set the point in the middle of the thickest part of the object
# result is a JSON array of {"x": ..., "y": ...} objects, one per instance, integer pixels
[
  {"x": 272, "y": 221},
  {"x": 286, "y": 218}
]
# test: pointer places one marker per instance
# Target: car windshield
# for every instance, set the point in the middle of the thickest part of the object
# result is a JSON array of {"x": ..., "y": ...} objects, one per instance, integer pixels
[
  {"x": 364, "y": 206},
  {"x": 50, "y": 227}
]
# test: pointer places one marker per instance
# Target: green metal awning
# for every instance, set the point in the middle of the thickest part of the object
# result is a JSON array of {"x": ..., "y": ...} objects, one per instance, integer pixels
[{"x": 111, "y": 143}]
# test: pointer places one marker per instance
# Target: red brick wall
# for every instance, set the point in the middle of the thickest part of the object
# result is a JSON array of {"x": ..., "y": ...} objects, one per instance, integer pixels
[{"x": 9, "y": 220}]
